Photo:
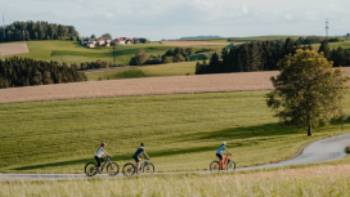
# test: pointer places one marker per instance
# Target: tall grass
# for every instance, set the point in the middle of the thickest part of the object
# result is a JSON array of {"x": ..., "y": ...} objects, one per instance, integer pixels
[{"x": 316, "y": 181}]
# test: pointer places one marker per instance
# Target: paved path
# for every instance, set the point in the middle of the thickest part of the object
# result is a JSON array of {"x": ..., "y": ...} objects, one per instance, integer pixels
[{"x": 328, "y": 149}]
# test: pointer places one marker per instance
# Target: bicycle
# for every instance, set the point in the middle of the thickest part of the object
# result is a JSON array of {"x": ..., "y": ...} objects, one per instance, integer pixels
[
  {"x": 228, "y": 164},
  {"x": 111, "y": 167},
  {"x": 146, "y": 167}
]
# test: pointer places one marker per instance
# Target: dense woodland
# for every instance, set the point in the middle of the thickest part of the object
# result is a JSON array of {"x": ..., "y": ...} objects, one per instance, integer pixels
[
  {"x": 264, "y": 56},
  {"x": 170, "y": 56},
  {"x": 41, "y": 30},
  {"x": 17, "y": 71}
]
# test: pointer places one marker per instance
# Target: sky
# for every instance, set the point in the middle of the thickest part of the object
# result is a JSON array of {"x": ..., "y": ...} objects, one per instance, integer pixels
[{"x": 169, "y": 19}]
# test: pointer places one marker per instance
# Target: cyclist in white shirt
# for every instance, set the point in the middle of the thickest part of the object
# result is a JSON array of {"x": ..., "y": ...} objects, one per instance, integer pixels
[{"x": 100, "y": 153}]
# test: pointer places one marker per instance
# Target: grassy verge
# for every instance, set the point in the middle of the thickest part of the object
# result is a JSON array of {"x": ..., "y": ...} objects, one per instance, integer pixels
[
  {"x": 183, "y": 68},
  {"x": 181, "y": 132},
  {"x": 316, "y": 181}
]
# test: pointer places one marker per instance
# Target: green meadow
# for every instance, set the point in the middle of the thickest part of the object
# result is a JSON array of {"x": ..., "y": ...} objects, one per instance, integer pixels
[
  {"x": 181, "y": 132},
  {"x": 73, "y": 52},
  {"x": 172, "y": 69}
]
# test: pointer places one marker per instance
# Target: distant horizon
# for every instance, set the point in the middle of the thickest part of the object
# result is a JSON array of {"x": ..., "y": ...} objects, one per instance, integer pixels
[{"x": 165, "y": 19}]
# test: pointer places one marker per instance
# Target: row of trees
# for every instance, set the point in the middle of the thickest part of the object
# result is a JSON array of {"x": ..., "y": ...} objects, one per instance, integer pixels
[
  {"x": 41, "y": 30},
  {"x": 264, "y": 55},
  {"x": 18, "y": 71},
  {"x": 170, "y": 56},
  {"x": 339, "y": 56}
]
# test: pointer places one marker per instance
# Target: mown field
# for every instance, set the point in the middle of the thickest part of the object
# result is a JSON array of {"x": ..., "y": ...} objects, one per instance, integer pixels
[
  {"x": 72, "y": 52},
  {"x": 173, "y": 69},
  {"x": 321, "y": 181},
  {"x": 181, "y": 132}
]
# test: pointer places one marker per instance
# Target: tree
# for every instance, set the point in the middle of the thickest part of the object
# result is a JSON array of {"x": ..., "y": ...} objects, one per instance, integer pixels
[
  {"x": 308, "y": 92},
  {"x": 139, "y": 59},
  {"x": 324, "y": 48},
  {"x": 107, "y": 36}
]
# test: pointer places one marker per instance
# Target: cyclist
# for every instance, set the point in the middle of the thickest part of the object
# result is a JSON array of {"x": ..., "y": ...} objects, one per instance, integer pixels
[
  {"x": 139, "y": 153},
  {"x": 100, "y": 154},
  {"x": 219, "y": 153}
]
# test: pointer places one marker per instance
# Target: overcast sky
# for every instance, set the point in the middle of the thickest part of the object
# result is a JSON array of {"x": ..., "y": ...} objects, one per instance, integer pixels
[{"x": 157, "y": 19}]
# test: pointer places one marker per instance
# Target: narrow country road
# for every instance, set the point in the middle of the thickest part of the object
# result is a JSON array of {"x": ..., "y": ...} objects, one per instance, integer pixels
[{"x": 328, "y": 149}]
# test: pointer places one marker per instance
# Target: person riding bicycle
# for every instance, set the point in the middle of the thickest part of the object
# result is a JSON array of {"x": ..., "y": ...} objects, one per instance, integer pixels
[
  {"x": 100, "y": 154},
  {"x": 220, "y": 152},
  {"x": 139, "y": 153}
]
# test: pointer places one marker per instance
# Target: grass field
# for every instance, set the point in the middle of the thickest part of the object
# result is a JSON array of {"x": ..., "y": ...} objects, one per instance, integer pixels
[
  {"x": 322, "y": 181},
  {"x": 183, "y": 68},
  {"x": 181, "y": 132},
  {"x": 71, "y": 52}
]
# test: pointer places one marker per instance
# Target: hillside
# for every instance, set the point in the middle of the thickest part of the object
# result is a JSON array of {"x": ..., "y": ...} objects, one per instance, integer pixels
[{"x": 181, "y": 132}]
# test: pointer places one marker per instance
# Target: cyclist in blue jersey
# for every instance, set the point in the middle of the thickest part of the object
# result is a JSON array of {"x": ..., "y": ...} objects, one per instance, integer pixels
[{"x": 220, "y": 152}]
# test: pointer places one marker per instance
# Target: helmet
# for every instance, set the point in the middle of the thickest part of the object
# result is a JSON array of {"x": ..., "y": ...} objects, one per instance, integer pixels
[
  {"x": 102, "y": 144},
  {"x": 142, "y": 144},
  {"x": 224, "y": 143}
]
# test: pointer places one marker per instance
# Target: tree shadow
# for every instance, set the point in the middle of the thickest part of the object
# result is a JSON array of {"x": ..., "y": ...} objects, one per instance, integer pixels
[
  {"x": 270, "y": 130},
  {"x": 153, "y": 154}
]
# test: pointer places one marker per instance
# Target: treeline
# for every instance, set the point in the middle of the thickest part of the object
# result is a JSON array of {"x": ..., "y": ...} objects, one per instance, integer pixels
[
  {"x": 18, "y": 71},
  {"x": 339, "y": 56},
  {"x": 263, "y": 56},
  {"x": 40, "y": 30},
  {"x": 170, "y": 56}
]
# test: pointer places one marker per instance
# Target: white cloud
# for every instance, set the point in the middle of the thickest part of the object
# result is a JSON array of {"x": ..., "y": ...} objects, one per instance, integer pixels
[{"x": 175, "y": 18}]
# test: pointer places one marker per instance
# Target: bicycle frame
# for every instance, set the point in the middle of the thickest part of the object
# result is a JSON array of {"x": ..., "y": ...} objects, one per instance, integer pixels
[{"x": 104, "y": 163}]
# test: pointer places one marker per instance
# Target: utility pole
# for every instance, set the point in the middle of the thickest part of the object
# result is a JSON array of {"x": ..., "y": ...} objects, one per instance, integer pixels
[
  {"x": 114, "y": 54},
  {"x": 327, "y": 28},
  {"x": 3, "y": 27}
]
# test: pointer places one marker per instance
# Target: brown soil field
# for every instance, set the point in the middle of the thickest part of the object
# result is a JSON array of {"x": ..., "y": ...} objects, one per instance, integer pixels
[
  {"x": 13, "y": 48},
  {"x": 179, "y": 43},
  {"x": 143, "y": 86}
]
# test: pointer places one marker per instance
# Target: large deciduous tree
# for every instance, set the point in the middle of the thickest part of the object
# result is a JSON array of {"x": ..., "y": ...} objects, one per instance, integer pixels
[{"x": 308, "y": 91}]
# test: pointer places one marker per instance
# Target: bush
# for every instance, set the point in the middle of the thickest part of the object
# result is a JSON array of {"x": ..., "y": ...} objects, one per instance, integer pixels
[
  {"x": 134, "y": 73},
  {"x": 347, "y": 149}
]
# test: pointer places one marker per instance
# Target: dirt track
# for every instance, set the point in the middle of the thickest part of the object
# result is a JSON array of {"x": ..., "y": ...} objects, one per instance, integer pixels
[
  {"x": 13, "y": 48},
  {"x": 144, "y": 86}
]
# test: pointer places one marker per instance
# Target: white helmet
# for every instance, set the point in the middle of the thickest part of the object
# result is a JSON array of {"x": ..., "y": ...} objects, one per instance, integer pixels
[{"x": 224, "y": 143}]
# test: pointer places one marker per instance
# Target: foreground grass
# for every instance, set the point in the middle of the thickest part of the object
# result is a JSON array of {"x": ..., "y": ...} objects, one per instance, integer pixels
[
  {"x": 315, "y": 181},
  {"x": 183, "y": 68},
  {"x": 181, "y": 132}
]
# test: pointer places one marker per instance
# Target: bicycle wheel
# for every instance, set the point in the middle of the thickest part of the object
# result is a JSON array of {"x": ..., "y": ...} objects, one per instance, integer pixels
[
  {"x": 90, "y": 169},
  {"x": 112, "y": 169},
  {"x": 148, "y": 168},
  {"x": 231, "y": 166},
  {"x": 129, "y": 169},
  {"x": 214, "y": 166}
]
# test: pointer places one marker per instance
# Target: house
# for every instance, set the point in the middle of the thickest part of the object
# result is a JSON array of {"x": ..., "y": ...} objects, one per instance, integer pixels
[
  {"x": 91, "y": 44},
  {"x": 123, "y": 41}
]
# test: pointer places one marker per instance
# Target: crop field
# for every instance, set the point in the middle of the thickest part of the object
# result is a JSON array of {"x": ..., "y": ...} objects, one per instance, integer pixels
[
  {"x": 172, "y": 69},
  {"x": 14, "y": 48},
  {"x": 324, "y": 181},
  {"x": 143, "y": 86},
  {"x": 181, "y": 132},
  {"x": 72, "y": 52}
]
